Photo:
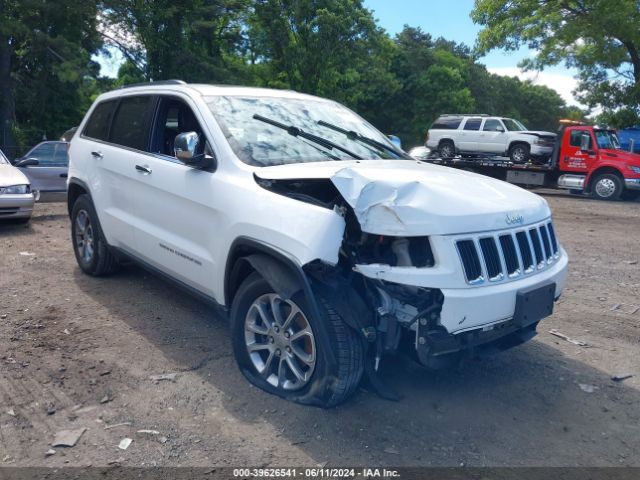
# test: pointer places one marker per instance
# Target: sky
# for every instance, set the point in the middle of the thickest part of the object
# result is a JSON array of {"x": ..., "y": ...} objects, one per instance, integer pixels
[{"x": 449, "y": 19}]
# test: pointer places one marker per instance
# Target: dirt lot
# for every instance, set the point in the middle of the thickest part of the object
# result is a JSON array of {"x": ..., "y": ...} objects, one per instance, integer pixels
[{"x": 77, "y": 352}]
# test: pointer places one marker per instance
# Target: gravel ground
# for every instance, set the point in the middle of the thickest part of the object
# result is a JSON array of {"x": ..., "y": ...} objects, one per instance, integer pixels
[{"x": 77, "y": 352}]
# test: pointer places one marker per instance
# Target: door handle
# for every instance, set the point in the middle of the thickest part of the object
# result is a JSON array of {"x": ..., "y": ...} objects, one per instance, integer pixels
[
  {"x": 63, "y": 175},
  {"x": 97, "y": 154},
  {"x": 143, "y": 169}
]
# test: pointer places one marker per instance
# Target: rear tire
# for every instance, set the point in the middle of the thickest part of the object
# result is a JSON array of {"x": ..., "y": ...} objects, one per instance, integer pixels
[
  {"x": 607, "y": 186},
  {"x": 519, "y": 153},
  {"x": 253, "y": 325},
  {"x": 89, "y": 245},
  {"x": 446, "y": 149}
]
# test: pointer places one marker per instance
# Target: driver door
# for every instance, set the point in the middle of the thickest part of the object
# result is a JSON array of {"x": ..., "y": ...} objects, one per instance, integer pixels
[
  {"x": 50, "y": 174},
  {"x": 575, "y": 159},
  {"x": 179, "y": 207},
  {"x": 492, "y": 136}
]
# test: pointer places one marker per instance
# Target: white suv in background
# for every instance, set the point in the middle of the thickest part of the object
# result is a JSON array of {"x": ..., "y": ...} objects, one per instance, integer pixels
[
  {"x": 329, "y": 247},
  {"x": 452, "y": 134}
]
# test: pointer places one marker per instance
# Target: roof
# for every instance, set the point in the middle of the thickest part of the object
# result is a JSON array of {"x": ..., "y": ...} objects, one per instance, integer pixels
[{"x": 205, "y": 90}]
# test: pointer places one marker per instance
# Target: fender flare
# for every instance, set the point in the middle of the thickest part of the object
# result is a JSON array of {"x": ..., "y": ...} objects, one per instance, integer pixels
[{"x": 81, "y": 184}]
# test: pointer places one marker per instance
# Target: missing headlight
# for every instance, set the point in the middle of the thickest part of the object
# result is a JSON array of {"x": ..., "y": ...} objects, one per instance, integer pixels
[{"x": 396, "y": 251}]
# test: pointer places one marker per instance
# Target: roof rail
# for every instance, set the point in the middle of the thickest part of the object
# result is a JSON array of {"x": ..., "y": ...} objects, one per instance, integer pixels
[
  {"x": 161, "y": 82},
  {"x": 465, "y": 115}
]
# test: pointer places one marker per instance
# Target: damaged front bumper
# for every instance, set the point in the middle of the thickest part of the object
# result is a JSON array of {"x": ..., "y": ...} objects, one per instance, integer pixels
[{"x": 472, "y": 318}]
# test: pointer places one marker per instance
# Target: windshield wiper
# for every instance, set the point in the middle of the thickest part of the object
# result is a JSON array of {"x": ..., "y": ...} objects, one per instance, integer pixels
[
  {"x": 298, "y": 132},
  {"x": 353, "y": 135}
]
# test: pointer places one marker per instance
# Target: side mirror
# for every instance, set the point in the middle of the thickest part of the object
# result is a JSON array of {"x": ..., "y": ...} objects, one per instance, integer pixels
[
  {"x": 190, "y": 150},
  {"x": 27, "y": 162},
  {"x": 585, "y": 140}
]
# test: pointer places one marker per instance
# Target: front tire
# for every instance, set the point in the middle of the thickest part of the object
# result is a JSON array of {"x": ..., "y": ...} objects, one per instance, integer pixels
[
  {"x": 89, "y": 245},
  {"x": 519, "y": 153},
  {"x": 606, "y": 186},
  {"x": 278, "y": 346}
]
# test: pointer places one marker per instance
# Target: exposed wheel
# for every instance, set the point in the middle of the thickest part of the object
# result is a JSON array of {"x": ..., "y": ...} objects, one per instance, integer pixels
[
  {"x": 89, "y": 245},
  {"x": 519, "y": 153},
  {"x": 278, "y": 346},
  {"x": 606, "y": 186},
  {"x": 446, "y": 149}
]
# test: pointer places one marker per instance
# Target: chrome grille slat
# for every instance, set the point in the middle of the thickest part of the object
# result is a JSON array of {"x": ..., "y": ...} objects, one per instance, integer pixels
[
  {"x": 509, "y": 254},
  {"x": 491, "y": 258},
  {"x": 537, "y": 247}
]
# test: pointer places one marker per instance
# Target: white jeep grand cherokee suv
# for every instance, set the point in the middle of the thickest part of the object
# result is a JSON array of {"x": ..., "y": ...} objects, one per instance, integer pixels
[
  {"x": 329, "y": 247},
  {"x": 481, "y": 134}
]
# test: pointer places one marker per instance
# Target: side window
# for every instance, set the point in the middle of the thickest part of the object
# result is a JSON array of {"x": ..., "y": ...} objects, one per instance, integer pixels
[
  {"x": 131, "y": 123},
  {"x": 174, "y": 117},
  {"x": 492, "y": 125},
  {"x": 61, "y": 157},
  {"x": 98, "y": 124},
  {"x": 447, "y": 123},
  {"x": 44, "y": 154},
  {"x": 575, "y": 140},
  {"x": 473, "y": 124}
]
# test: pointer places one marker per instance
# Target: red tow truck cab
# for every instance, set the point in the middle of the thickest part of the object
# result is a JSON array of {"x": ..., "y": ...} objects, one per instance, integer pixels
[
  {"x": 590, "y": 159},
  {"x": 585, "y": 159}
]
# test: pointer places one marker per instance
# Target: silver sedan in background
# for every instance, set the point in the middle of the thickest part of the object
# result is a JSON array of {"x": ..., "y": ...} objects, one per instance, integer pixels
[
  {"x": 46, "y": 166},
  {"x": 16, "y": 198}
]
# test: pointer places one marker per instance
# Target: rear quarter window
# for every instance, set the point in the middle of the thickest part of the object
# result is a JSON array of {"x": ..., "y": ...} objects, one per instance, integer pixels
[
  {"x": 98, "y": 124},
  {"x": 446, "y": 123}
]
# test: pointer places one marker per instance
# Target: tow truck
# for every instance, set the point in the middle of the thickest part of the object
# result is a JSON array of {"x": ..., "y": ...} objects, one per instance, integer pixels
[{"x": 585, "y": 159}]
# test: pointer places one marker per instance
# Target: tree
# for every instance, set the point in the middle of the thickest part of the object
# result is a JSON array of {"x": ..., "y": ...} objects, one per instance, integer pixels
[
  {"x": 331, "y": 48},
  {"x": 45, "y": 51},
  {"x": 197, "y": 41},
  {"x": 434, "y": 79},
  {"x": 598, "y": 37}
]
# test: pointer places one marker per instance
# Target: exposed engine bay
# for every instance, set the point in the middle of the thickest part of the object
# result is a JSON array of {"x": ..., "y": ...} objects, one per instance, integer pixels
[{"x": 387, "y": 314}]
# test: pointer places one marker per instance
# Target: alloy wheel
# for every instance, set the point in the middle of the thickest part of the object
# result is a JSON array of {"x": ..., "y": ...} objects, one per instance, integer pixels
[
  {"x": 280, "y": 342},
  {"x": 84, "y": 236}
]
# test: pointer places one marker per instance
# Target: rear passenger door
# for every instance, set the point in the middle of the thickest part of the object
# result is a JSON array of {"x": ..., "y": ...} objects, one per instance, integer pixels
[
  {"x": 179, "y": 206},
  {"x": 470, "y": 135},
  {"x": 118, "y": 133}
]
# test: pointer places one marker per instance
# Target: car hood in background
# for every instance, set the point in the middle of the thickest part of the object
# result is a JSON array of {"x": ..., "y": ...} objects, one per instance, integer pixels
[
  {"x": 539, "y": 133},
  {"x": 10, "y": 175},
  {"x": 410, "y": 198}
]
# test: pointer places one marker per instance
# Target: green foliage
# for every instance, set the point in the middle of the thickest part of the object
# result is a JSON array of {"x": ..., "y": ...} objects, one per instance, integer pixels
[
  {"x": 331, "y": 48},
  {"x": 193, "y": 40},
  {"x": 46, "y": 46},
  {"x": 598, "y": 37}
]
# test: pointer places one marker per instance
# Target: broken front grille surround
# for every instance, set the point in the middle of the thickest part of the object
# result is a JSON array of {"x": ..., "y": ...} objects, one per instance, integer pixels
[{"x": 492, "y": 257}]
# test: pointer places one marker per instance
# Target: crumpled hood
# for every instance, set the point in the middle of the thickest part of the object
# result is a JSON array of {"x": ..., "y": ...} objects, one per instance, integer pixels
[
  {"x": 410, "y": 198},
  {"x": 538, "y": 133},
  {"x": 10, "y": 175}
]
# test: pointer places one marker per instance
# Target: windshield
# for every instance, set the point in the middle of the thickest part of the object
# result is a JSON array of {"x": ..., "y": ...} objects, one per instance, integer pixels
[
  {"x": 607, "y": 139},
  {"x": 263, "y": 144},
  {"x": 513, "y": 125},
  {"x": 3, "y": 159}
]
